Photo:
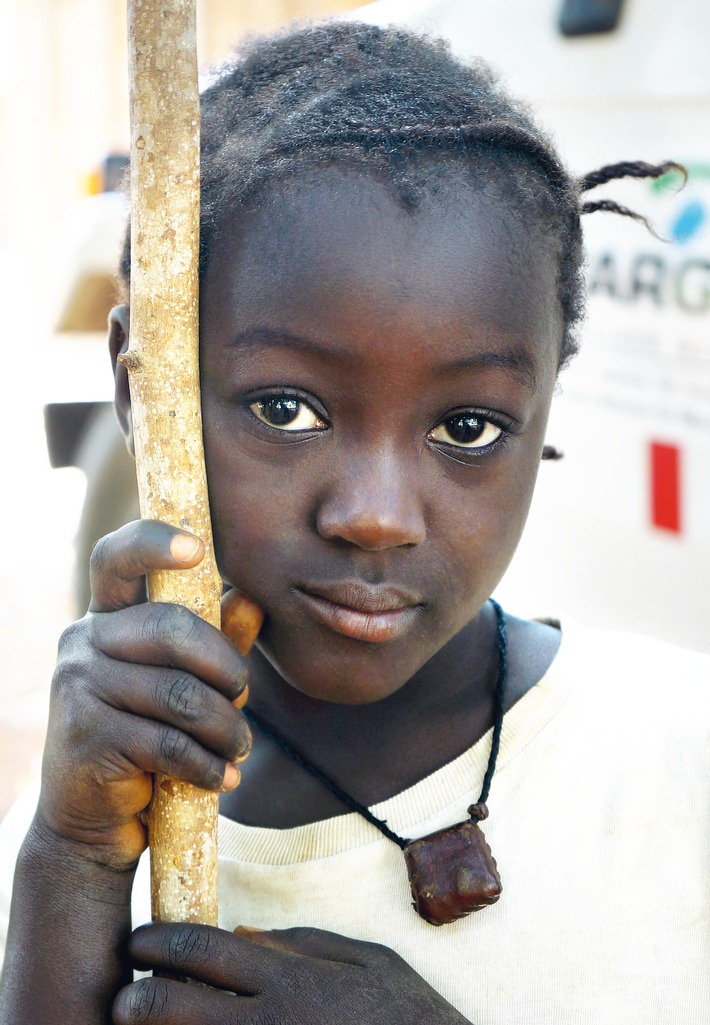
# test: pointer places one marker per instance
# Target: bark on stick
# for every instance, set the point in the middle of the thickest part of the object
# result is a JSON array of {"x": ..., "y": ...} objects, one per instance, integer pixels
[{"x": 162, "y": 361}]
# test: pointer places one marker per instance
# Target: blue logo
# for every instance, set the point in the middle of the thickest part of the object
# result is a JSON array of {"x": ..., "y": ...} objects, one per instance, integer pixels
[
  {"x": 691, "y": 214},
  {"x": 689, "y": 221}
]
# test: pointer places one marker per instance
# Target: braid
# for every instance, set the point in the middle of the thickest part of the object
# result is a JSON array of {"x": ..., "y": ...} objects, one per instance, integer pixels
[
  {"x": 626, "y": 169},
  {"x": 629, "y": 169},
  {"x": 611, "y": 206},
  {"x": 495, "y": 134}
]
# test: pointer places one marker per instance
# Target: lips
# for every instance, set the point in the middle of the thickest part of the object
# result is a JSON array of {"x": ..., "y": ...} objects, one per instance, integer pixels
[{"x": 365, "y": 612}]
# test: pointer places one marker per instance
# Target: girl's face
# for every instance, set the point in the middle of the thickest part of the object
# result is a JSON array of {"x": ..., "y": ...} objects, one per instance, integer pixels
[{"x": 376, "y": 385}]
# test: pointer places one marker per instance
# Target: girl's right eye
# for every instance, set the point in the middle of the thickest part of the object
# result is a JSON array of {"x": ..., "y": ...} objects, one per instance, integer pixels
[{"x": 287, "y": 413}]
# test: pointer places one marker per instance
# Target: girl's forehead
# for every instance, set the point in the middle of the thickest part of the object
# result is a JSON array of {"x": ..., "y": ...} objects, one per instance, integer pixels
[{"x": 340, "y": 247}]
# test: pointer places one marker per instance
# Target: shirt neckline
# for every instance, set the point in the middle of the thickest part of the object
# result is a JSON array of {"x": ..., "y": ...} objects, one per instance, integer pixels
[{"x": 410, "y": 812}]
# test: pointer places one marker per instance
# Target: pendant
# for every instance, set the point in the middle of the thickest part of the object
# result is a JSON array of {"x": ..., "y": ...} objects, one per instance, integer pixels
[{"x": 452, "y": 872}]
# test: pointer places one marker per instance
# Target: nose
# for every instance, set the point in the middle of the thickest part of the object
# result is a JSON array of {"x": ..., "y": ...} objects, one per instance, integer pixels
[{"x": 375, "y": 505}]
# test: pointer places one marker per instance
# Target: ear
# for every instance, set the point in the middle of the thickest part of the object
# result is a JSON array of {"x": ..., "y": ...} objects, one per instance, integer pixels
[{"x": 118, "y": 331}]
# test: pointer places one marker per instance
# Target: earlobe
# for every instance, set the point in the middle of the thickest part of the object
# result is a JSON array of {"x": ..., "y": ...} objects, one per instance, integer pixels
[{"x": 118, "y": 332}]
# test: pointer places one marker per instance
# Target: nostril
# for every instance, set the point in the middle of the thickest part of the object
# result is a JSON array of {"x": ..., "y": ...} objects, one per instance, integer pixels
[{"x": 372, "y": 531}]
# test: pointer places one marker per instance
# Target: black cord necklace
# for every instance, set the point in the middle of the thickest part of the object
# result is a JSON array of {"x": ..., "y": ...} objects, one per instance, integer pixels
[{"x": 451, "y": 872}]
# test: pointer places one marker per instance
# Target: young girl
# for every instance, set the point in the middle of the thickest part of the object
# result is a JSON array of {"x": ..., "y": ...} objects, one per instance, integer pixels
[{"x": 391, "y": 279}]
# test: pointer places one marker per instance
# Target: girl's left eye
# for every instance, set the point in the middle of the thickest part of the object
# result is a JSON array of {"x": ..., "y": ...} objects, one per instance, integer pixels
[
  {"x": 286, "y": 413},
  {"x": 467, "y": 431}
]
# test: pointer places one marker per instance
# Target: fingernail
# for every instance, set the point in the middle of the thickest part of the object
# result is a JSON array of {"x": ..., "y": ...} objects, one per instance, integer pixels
[
  {"x": 231, "y": 778},
  {"x": 242, "y": 757},
  {"x": 184, "y": 547},
  {"x": 247, "y": 931},
  {"x": 241, "y": 700}
]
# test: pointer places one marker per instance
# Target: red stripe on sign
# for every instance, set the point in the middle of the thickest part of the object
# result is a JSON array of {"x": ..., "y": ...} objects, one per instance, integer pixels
[{"x": 665, "y": 486}]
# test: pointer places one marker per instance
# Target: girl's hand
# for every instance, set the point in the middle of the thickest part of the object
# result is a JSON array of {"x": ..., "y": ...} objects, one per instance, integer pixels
[
  {"x": 139, "y": 688},
  {"x": 290, "y": 976}
]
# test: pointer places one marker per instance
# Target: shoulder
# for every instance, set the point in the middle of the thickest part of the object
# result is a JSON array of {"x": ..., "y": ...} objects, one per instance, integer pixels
[
  {"x": 650, "y": 692},
  {"x": 636, "y": 664}
]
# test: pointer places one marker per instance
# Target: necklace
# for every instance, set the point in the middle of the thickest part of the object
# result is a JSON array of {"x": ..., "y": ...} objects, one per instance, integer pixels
[{"x": 452, "y": 871}]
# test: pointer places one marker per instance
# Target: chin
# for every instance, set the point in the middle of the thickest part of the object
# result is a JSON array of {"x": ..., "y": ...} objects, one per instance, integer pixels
[
  {"x": 346, "y": 694},
  {"x": 346, "y": 681}
]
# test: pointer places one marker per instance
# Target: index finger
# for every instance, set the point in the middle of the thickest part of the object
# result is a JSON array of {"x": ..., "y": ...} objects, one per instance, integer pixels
[
  {"x": 233, "y": 961},
  {"x": 121, "y": 560},
  {"x": 202, "y": 952}
]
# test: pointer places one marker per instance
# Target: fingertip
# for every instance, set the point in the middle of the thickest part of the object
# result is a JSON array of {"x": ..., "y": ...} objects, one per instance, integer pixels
[
  {"x": 138, "y": 934},
  {"x": 248, "y": 932},
  {"x": 231, "y": 779},
  {"x": 186, "y": 548},
  {"x": 241, "y": 620},
  {"x": 241, "y": 700},
  {"x": 139, "y": 944},
  {"x": 246, "y": 749},
  {"x": 120, "y": 1002}
]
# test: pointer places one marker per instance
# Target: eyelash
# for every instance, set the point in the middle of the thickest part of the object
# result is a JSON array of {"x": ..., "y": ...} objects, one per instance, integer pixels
[
  {"x": 254, "y": 402},
  {"x": 489, "y": 418}
]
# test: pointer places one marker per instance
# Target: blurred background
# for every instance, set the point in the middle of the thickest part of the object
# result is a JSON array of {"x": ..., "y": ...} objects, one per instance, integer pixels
[{"x": 620, "y": 529}]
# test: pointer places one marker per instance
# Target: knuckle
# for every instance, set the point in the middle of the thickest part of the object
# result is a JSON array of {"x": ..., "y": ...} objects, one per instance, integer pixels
[
  {"x": 173, "y": 746},
  {"x": 69, "y": 680},
  {"x": 377, "y": 954},
  {"x": 145, "y": 1001},
  {"x": 68, "y": 716},
  {"x": 172, "y": 626},
  {"x": 70, "y": 635},
  {"x": 184, "y": 697},
  {"x": 74, "y": 642},
  {"x": 81, "y": 662},
  {"x": 100, "y": 555},
  {"x": 187, "y": 947},
  {"x": 65, "y": 673}
]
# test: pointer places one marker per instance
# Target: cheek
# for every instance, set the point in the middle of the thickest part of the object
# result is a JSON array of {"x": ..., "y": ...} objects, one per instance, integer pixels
[
  {"x": 483, "y": 546},
  {"x": 483, "y": 524},
  {"x": 256, "y": 512}
]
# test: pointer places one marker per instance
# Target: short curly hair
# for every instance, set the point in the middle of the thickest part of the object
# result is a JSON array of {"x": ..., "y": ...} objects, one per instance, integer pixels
[{"x": 402, "y": 107}]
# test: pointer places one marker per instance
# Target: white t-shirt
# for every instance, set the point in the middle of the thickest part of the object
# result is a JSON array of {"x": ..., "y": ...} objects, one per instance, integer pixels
[{"x": 600, "y": 825}]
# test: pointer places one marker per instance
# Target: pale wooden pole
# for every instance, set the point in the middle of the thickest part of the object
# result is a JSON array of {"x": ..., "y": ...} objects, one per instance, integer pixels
[{"x": 162, "y": 361}]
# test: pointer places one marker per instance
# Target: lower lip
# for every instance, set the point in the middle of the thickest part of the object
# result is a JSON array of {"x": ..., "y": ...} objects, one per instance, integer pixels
[{"x": 374, "y": 627}]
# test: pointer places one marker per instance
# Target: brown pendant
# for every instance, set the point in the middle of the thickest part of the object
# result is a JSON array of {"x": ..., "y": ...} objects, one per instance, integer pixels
[{"x": 452, "y": 872}]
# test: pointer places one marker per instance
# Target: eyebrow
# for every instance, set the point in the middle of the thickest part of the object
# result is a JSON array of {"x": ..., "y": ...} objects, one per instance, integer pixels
[
  {"x": 253, "y": 337},
  {"x": 520, "y": 362}
]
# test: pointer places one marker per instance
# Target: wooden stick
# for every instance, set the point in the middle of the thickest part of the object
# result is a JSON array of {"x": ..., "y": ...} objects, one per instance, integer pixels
[
  {"x": 162, "y": 361},
  {"x": 163, "y": 366}
]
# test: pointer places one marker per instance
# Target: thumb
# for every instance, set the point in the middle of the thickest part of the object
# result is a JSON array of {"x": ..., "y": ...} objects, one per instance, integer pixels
[{"x": 241, "y": 620}]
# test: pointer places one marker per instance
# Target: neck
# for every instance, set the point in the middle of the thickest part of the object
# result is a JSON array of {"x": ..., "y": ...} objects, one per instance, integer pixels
[
  {"x": 376, "y": 751},
  {"x": 394, "y": 742}
]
